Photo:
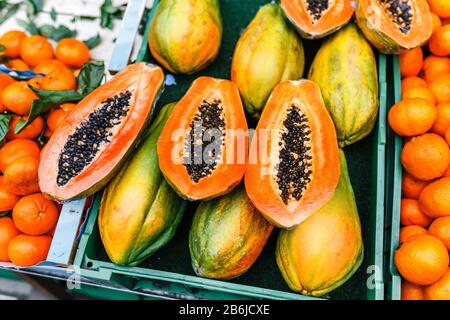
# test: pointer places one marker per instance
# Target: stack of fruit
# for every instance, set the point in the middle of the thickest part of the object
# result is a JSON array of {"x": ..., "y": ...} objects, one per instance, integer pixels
[
  {"x": 422, "y": 117},
  {"x": 25, "y": 238}
]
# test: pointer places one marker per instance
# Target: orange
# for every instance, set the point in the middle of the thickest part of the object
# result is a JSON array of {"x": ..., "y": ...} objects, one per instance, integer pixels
[
  {"x": 12, "y": 40},
  {"x": 48, "y": 133},
  {"x": 437, "y": 23},
  {"x": 447, "y": 173},
  {"x": 15, "y": 149},
  {"x": 5, "y": 81},
  {"x": 55, "y": 118},
  {"x": 18, "y": 97},
  {"x": 410, "y": 231},
  {"x": 411, "y": 117},
  {"x": 72, "y": 52},
  {"x": 419, "y": 92},
  {"x": 439, "y": 43},
  {"x": 35, "y": 49},
  {"x": 441, "y": 87},
  {"x": 411, "y": 291},
  {"x": 426, "y": 157},
  {"x": 434, "y": 66},
  {"x": 440, "y": 7},
  {"x": 35, "y": 82},
  {"x": 443, "y": 118},
  {"x": 422, "y": 259},
  {"x": 411, "y": 62},
  {"x": 7, "y": 199},
  {"x": 21, "y": 176},
  {"x": 447, "y": 135},
  {"x": 7, "y": 232},
  {"x": 434, "y": 200},
  {"x": 31, "y": 131},
  {"x": 440, "y": 290},
  {"x": 25, "y": 250},
  {"x": 48, "y": 66},
  {"x": 410, "y": 214},
  {"x": 411, "y": 82},
  {"x": 17, "y": 64},
  {"x": 59, "y": 79},
  {"x": 411, "y": 187},
  {"x": 440, "y": 228},
  {"x": 67, "y": 107},
  {"x": 35, "y": 214}
]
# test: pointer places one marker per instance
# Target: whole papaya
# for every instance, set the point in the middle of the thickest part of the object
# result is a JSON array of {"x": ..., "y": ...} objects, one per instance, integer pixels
[
  {"x": 346, "y": 72},
  {"x": 185, "y": 35},
  {"x": 139, "y": 211},
  {"x": 268, "y": 52},
  {"x": 227, "y": 236},
  {"x": 326, "y": 249}
]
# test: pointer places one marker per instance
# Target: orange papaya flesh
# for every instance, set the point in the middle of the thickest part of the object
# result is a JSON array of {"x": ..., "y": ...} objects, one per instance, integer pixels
[
  {"x": 294, "y": 159},
  {"x": 87, "y": 149},
  {"x": 393, "y": 26},
  {"x": 203, "y": 147},
  {"x": 316, "y": 19}
]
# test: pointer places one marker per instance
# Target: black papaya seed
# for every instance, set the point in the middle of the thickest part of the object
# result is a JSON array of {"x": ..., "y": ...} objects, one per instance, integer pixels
[{"x": 83, "y": 145}]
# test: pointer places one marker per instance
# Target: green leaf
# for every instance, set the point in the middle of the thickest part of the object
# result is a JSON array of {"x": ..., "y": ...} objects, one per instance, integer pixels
[
  {"x": 34, "y": 7},
  {"x": 108, "y": 12},
  {"x": 90, "y": 76},
  {"x": 9, "y": 12},
  {"x": 38, "y": 107},
  {"x": 2, "y": 214},
  {"x": 93, "y": 41},
  {"x": 47, "y": 30},
  {"x": 4, "y": 125},
  {"x": 29, "y": 26},
  {"x": 53, "y": 14},
  {"x": 57, "y": 96},
  {"x": 63, "y": 32},
  {"x": 2, "y": 48}
]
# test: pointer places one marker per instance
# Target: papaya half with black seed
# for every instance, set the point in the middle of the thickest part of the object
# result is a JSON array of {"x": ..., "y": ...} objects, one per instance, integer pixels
[
  {"x": 393, "y": 26},
  {"x": 326, "y": 249},
  {"x": 89, "y": 147},
  {"x": 139, "y": 212},
  {"x": 316, "y": 19},
  {"x": 203, "y": 147},
  {"x": 294, "y": 159},
  {"x": 185, "y": 35}
]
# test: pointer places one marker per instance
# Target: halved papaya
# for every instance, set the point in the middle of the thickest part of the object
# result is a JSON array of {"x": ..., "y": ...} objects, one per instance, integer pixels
[
  {"x": 393, "y": 26},
  {"x": 203, "y": 147},
  {"x": 316, "y": 19},
  {"x": 87, "y": 149},
  {"x": 294, "y": 163}
]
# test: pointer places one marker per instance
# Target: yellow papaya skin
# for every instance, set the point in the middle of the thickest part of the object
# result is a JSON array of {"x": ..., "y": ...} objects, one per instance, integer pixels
[
  {"x": 268, "y": 52},
  {"x": 185, "y": 35},
  {"x": 227, "y": 236},
  {"x": 346, "y": 71},
  {"x": 326, "y": 249},
  {"x": 139, "y": 211}
]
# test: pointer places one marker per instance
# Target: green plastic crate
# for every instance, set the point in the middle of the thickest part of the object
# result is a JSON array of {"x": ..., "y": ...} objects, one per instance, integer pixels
[
  {"x": 394, "y": 187},
  {"x": 168, "y": 273}
]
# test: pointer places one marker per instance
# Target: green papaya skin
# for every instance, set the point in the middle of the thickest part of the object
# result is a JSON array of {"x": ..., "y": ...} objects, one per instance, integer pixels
[
  {"x": 185, "y": 35},
  {"x": 346, "y": 71},
  {"x": 268, "y": 52},
  {"x": 227, "y": 235},
  {"x": 325, "y": 250},
  {"x": 139, "y": 211}
]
